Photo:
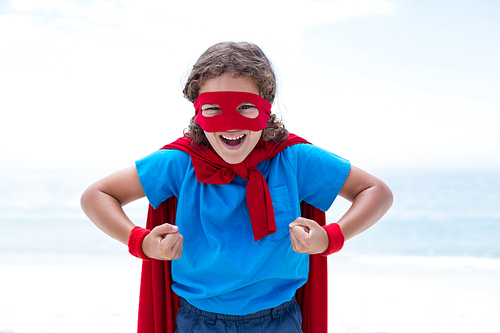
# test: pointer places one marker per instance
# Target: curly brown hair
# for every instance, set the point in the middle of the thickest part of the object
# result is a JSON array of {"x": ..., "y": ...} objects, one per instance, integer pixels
[{"x": 241, "y": 59}]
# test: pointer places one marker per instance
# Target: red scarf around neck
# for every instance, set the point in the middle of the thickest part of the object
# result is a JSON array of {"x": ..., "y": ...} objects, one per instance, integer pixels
[{"x": 210, "y": 168}]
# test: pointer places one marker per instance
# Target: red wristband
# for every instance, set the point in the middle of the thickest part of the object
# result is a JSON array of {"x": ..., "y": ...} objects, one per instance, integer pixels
[
  {"x": 135, "y": 242},
  {"x": 336, "y": 238}
]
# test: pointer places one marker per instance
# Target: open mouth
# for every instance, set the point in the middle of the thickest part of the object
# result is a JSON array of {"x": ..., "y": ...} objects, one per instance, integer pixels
[{"x": 233, "y": 142}]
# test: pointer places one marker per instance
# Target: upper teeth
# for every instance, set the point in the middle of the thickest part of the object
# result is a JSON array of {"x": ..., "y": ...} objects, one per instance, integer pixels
[{"x": 236, "y": 138}]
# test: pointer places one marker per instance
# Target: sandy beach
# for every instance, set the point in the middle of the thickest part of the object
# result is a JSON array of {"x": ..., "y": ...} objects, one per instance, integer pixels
[
  {"x": 419, "y": 294},
  {"x": 368, "y": 294}
]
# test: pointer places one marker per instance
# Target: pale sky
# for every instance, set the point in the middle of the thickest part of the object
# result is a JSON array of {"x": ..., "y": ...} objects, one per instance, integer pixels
[{"x": 382, "y": 83}]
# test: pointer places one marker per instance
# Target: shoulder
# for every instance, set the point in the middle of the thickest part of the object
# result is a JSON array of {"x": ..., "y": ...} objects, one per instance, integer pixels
[
  {"x": 311, "y": 162},
  {"x": 306, "y": 159},
  {"x": 164, "y": 161},
  {"x": 165, "y": 155},
  {"x": 162, "y": 174},
  {"x": 307, "y": 151}
]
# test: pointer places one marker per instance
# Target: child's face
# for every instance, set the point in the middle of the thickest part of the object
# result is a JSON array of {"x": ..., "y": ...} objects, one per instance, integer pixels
[{"x": 233, "y": 146}]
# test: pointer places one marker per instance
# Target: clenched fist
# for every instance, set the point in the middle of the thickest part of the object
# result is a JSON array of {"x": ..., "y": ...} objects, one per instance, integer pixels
[
  {"x": 164, "y": 242},
  {"x": 308, "y": 236}
]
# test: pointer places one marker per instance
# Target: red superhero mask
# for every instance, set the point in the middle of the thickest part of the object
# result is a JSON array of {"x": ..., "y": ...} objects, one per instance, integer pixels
[{"x": 230, "y": 115}]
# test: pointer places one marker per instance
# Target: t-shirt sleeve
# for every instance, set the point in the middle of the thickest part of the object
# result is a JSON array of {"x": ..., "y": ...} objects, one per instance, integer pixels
[
  {"x": 321, "y": 174},
  {"x": 161, "y": 174}
]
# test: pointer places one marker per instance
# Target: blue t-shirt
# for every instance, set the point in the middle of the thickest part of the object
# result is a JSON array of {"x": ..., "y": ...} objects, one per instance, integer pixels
[{"x": 222, "y": 269}]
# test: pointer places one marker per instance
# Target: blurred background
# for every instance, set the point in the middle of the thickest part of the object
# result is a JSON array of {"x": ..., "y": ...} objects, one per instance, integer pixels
[{"x": 389, "y": 83}]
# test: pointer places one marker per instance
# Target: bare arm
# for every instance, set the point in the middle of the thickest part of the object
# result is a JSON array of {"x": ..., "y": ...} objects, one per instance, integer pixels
[
  {"x": 103, "y": 202},
  {"x": 371, "y": 199}
]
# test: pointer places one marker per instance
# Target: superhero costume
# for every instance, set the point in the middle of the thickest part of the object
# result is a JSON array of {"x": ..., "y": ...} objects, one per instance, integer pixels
[{"x": 158, "y": 303}]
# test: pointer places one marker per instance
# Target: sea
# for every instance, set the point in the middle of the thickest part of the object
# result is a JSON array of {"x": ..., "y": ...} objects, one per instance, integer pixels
[{"x": 436, "y": 213}]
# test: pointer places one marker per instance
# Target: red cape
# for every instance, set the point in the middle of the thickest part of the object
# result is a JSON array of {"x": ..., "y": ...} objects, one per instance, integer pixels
[{"x": 158, "y": 304}]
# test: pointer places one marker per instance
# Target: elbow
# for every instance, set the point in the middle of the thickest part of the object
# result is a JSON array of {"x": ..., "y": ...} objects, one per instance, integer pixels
[
  {"x": 385, "y": 195},
  {"x": 86, "y": 200},
  {"x": 90, "y": 198}
]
